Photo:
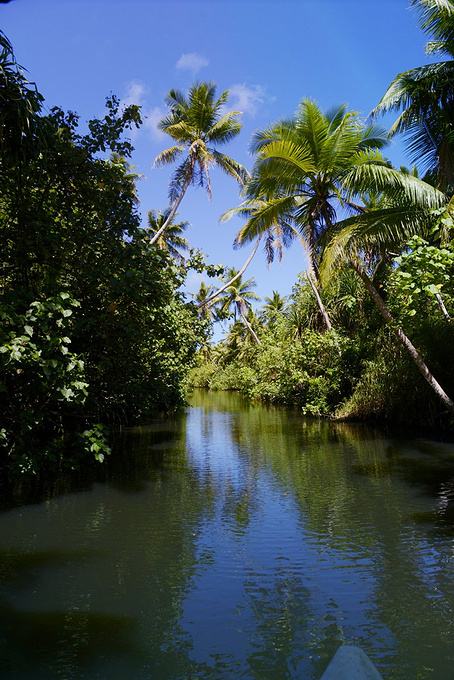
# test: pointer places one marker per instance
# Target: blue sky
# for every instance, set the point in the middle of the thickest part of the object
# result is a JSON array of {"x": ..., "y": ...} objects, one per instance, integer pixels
[{"x": 270, "y": 55}]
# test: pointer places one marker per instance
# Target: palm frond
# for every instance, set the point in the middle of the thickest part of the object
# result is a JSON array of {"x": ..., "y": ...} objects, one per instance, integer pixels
[
  {"x": 176, "y": 100},
  {"x": 378, "y": 177},
  {"x": 420, "y": 88},
  {"x": 378, "y": 229},
  {"x": 263, "y": 137},
  {"x": 244, "y": 210},
  {"x": 225, "y": 128},
  {"x": 182, "y": 174},
  {"x": 168, "y": 155},
  {"x": 180, "y": 130},
  {"x": 264, "y": 217},
  {"x": 230, "y": 166},
  {"x": 298, "y": 156}
]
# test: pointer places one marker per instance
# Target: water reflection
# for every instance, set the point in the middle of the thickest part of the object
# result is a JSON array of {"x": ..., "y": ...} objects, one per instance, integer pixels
[{"x": 235, "y": 541}]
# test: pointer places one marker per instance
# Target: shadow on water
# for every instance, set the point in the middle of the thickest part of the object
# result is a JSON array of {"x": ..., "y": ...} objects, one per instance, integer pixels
[
  {"x": 30, "y": 639},
  {"x": 93, "y": 570},
  {"x": 136, "y": 452}
]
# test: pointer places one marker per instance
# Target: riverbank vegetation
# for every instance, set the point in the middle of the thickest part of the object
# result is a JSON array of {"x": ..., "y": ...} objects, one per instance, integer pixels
[{"x": 97, "y": 329}]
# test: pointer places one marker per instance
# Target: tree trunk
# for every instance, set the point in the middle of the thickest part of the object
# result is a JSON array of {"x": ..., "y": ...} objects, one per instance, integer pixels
[
  {"x": 173, "y": 209},
  {"x": 402, "y": 338},
  {"x": 313, "y": 284},
  {"x": 251, "y": 330},
  {"x": 312, "y": 275},
  {"x": 442, "y": 306},
  {"x": 239, "y": 273}
]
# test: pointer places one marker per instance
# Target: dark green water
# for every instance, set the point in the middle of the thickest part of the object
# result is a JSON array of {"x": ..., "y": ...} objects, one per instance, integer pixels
[{"x": 235, "y": 541}]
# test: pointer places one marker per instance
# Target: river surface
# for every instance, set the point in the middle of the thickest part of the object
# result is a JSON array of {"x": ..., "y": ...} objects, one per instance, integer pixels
[{"x": 234, "y": 541}]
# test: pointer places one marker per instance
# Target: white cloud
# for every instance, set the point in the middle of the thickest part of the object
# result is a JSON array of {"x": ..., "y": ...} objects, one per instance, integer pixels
[
  {"x": 151, "y": 120},
  {"x": 191, "y": 61},
  {"x": 246, "y": 98},
  {"x": 135, "y": 94}
]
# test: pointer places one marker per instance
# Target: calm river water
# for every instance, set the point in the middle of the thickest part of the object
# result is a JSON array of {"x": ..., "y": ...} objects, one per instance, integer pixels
[{"x": 235, "y": 541}]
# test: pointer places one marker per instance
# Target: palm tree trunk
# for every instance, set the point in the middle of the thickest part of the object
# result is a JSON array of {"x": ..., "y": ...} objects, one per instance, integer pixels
[
  {"x": 240, "y": 272},
  {"x": 402, "y": 338},
  {"x": 442, "y": 306},
  {"x": 251, "y": 330},
  {"x": 321, "y": 306},
  {"x": 173, "y": 209},
  {"x": 313, "y": 282}
]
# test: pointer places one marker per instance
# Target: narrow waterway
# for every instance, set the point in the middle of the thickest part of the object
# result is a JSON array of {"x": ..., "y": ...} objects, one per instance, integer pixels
[{"x": 235, "y": 541}]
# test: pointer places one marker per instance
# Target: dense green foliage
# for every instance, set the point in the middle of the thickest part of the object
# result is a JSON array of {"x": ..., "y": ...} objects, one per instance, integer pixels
[
  {"x": 356, "y": 370},
  {"x": 94, "y": 329}
]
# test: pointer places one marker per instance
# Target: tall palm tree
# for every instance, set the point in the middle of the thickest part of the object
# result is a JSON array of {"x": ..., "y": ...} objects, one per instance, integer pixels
[
  {"x": 238, "y": 298},
  {"x": 304, "y": 176},
  {"x": 424, "y": 96},
  {"x": 172, "y": 241},
  {"x": 198, "y": 123},
  {"x": 274, "y": 307}
]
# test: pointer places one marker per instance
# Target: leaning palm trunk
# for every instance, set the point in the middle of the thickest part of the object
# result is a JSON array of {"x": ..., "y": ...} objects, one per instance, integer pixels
[
  {"x": 442, "y": 306},
  {"x": 402, "y": 338},
  {"x": 250, "y": 329},
  {"x": 313, "y": 284},
  {"x": 172, "y": 211},
  {"x": 240, "y": 272}
]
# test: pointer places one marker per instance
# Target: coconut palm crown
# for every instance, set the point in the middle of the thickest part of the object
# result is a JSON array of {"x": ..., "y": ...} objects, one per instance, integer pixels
[
  {"x": 274, "y": 307},
  {"x": 199, "y": 124},
  {"x": 424, "y": 97},
  {"x": 172, "y": 240},
  {"x": 306, "y": 168},
  {"x": 239, "y": 296},
  {"x": 237, "y": 299}
]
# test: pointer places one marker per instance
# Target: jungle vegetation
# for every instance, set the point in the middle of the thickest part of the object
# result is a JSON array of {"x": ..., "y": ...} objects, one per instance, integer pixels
[
  {"x": 97, "y": 330},
  {"x": 367, "y": 331}
]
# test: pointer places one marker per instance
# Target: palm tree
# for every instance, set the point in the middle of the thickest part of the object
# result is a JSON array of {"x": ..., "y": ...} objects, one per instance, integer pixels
[
  {"x": 363, "y": 241},
  {"x": 424, "y": 96},
  {"x": 172, "y": 241},
  {"x": 274, "y": 307},
  {"x": 198, "y": 124},
  {"x": 305, "y": 174},
  {"x": 276, "y": 237},
  {"x": 239, "y": 342},
  {"x": 208, "y": 312},
  {"x": 238, "y": 298}
]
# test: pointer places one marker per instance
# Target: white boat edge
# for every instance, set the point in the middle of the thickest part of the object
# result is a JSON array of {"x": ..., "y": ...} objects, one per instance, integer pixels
[{"x": 351, "y": 663}]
